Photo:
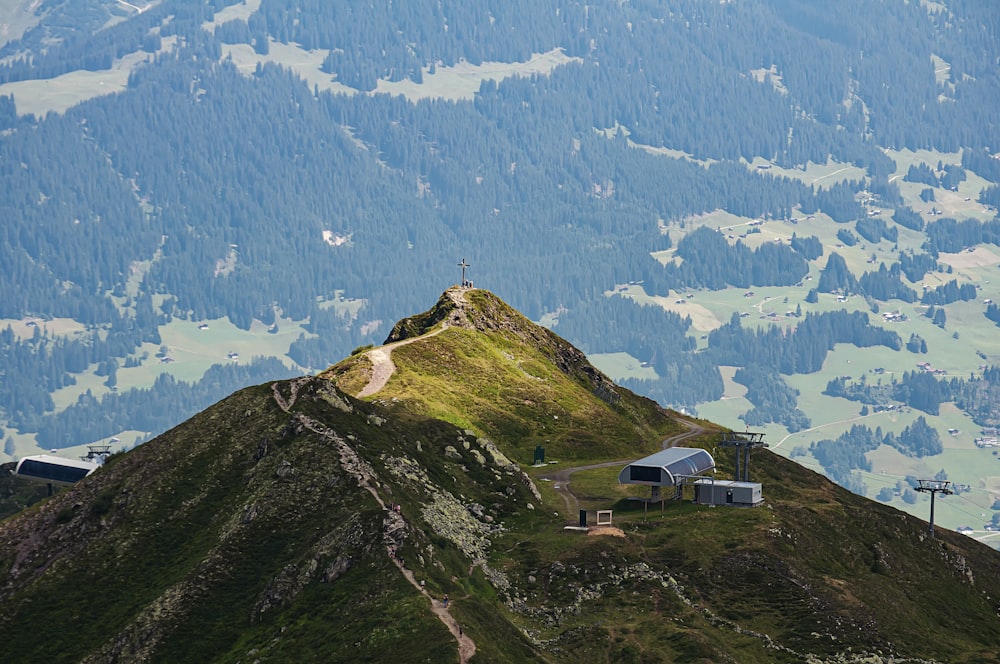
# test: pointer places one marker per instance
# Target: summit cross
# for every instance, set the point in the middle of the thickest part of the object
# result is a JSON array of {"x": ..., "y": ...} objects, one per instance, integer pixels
[{"x": 463, "y": 265}]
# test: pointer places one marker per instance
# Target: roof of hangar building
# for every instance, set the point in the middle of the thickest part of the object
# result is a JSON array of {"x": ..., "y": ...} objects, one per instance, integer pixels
[{"x": 667, "y": 466}]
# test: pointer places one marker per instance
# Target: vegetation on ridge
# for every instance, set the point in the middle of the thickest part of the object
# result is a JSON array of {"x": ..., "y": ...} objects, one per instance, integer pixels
[
  {"x": 266, "y": 527},
  {"x": 494, "y": 371}
]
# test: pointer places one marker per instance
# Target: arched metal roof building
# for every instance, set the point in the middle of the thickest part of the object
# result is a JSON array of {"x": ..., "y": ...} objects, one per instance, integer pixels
[
  {"x": 53, "y": 469},
  {"x": 666, "y": 467}
]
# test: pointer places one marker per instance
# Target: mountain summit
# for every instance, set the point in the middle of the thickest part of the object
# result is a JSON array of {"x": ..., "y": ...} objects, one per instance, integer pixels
[
  {"x": 294, "y": 521},
  {"x": 476, "y": 362}
]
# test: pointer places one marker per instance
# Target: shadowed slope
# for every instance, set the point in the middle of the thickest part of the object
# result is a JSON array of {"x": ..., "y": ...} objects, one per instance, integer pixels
[{"x": 251, "y": 527}]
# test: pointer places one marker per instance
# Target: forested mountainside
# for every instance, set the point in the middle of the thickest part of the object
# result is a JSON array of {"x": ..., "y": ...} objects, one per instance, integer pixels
[
  {"x": 724, "y": 204},
  {"x": 294, "y": 522}
]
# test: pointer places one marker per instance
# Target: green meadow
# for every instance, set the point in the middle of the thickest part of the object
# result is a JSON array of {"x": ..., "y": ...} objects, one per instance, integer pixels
[
  {"x": 618, "y": 366},
  {"x": 190, "y": 351},
  {"x": 16, "y": 16},
  {"x": 817, "y": 175},
  {"x": 59, "y": 93},
  {"x": 966, "y": 342}
]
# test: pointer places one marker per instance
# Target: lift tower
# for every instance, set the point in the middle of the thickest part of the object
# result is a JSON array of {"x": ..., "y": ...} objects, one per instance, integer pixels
[
  {"x": 934, "y": 487},
  {"x": 743, "y": 442}
]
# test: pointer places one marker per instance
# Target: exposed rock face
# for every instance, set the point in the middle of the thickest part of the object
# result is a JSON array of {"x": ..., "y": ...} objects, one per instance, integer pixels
[{"x": 448, "y": 308}]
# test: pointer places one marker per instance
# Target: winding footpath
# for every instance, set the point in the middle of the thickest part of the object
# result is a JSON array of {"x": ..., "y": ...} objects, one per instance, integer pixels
[
  {"x": 561, "y": 478},
  {"x": 382, "y": 366},
  {"x": 381, "y": 357},
  {"x": 393, "y": 525}
]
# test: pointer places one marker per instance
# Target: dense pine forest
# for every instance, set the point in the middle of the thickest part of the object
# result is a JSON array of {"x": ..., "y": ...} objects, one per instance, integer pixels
[{"x": 218, "y": 184}]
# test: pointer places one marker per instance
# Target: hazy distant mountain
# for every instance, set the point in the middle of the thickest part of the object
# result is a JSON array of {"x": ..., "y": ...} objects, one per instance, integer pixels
[{"x": 188, "y": 183}]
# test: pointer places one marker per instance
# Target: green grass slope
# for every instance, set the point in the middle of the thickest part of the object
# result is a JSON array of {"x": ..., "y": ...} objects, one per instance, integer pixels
[
  {"x": 245, "y": 532},
  {"x": 262, "y": 530},
  {"x": 492, "y": 370}
]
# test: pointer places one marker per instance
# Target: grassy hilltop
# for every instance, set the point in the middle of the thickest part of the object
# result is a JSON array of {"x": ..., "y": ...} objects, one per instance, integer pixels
[
  {"x": 263, "y": 529},
  {"x": 489, "y": 368}
]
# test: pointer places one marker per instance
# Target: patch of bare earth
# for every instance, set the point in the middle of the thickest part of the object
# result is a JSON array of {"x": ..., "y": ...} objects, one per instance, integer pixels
[{"x": 382, "y": 365}]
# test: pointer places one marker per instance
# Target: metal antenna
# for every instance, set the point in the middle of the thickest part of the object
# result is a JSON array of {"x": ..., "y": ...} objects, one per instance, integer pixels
[
  {"x": 463, "y": 265},
  {"x": 934, "y": 487}
]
